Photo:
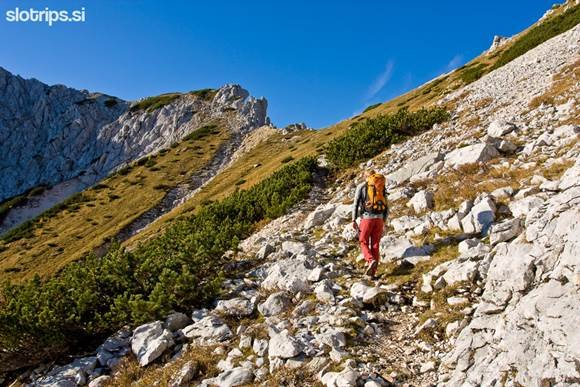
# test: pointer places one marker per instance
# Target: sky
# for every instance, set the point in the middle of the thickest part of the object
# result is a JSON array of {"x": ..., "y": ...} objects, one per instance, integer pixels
[{"x": 316, "y": 62}]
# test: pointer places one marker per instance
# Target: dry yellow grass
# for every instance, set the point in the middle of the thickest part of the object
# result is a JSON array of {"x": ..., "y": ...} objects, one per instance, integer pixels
[
  {"x": 111, "y": 205},
  {"x": 393, "y": 273},
  {"x": 251, "y": 168},
  {"x": 129, "y": 373}
]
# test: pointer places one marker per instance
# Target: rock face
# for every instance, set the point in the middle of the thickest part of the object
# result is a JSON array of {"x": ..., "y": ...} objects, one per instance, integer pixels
[
  {"x": 149, "y": 341},
  {"x": 54, "y": 133},
  {"x": 526, "y": 325},
  {"x": 49, "y": 132},
  {"x": 471, "y": 154},
  {"x": 497, "y": 42}
]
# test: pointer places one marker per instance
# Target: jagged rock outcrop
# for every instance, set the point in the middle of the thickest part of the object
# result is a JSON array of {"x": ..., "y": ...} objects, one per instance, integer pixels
[
  {"x": 47, "y": 133},
  {"x": 497, "y": 42},
  {"x": 53, "y": 133}
]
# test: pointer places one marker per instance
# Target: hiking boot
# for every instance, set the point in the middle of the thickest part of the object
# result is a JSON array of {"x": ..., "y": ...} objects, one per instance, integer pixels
[{"x": 371, "y": 268}]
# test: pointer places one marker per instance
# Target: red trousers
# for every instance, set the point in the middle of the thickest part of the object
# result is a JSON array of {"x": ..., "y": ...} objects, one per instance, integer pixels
[{"x": 370, "y": 233}]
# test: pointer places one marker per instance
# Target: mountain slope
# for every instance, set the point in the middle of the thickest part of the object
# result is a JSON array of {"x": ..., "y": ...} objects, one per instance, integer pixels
[
  {"x": 492, "y": 191},
  {"x": 479, "y": 283}
]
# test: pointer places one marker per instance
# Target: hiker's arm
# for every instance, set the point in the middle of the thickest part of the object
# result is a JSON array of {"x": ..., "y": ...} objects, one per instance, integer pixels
[
  {"x": 386, "y": 214},
  {"x": 355, "y": 205}
]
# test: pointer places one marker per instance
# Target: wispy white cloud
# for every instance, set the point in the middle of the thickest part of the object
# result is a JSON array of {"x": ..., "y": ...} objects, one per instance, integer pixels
[
  {"x": 380, "y": 81},
  {"x": 454, "y": 63}
]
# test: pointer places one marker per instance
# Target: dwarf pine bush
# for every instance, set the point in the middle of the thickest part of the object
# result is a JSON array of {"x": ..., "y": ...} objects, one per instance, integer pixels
[
  {"x": 369, "y": 137},
  {"x": 178, "y": 270}
]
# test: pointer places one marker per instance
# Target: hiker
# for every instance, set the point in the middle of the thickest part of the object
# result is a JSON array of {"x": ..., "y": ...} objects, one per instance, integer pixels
[{"x": 370, "y": 204}]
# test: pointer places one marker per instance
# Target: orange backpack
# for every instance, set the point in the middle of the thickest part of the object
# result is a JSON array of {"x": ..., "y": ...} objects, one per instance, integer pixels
[{"x": 376, "y": 202}]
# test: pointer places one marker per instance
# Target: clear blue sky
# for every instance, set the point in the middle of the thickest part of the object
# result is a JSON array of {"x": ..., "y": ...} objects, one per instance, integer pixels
[{"x": 315, "y": 61}]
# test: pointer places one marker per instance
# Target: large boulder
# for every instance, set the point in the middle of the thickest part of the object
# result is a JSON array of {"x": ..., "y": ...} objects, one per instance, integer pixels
[
  {"x": 275, "y": 304},
  {"x": 470, "y": 154},
  {"x": 345, "y": 378},
  {"x": 72, "y": 374},
  {"x": 500, "y": 128},
  {"x": 319, "y": 216},
  {"x": 177, "y": 320},
  {"x": 293, "y": 248},
  {"x": 288, "y": 274},
  {"x": 395, "y": 248},
  {"x": 415, "y": 167},
  {"x": 149, "y": 341},
  {"x": 283, "y": 345},
  {"x": 481, "y": 216},
  {"x": 405, "y": 223},
  {"x": 421, "y": 201},
  {"x": 504, "y": 231},
  {"x": 367, "y": 294},
  {"x": 114, "y": 348},
  {"x": 238, "y": 306},
  {"x": 210, "y": 330},
  {"x": 238, "y": 376},
  {"x": 521, "y": 208}
]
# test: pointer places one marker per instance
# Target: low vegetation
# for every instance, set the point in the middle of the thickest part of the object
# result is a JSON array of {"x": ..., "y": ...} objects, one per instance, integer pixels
[
  {"x": 371, "y": 107},
  {"x": 471, "y": 73},
  {"x": 129, "y": 373},
  {"x": 373, "y": 135},
  {"x": 16, "y": 201},
  {"x": 205, "y": 94},
  {"x": 177, "y": 270},
  {"x": 204, "y": 131},
  {"x": 151, "y": 104}
]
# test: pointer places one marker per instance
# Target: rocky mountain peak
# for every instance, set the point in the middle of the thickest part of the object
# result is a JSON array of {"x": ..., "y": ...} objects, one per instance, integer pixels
[{"x": 58, "y": 135}]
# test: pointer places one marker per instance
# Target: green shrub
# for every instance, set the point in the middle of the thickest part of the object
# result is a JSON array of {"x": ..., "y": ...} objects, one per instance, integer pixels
[
  {"x": 153, "y": 103},
  {"x": 124, "y": 171},
  {"x": 177, "y": 270},
  {"x": 539, "y": 34},
  {"x": 202, "y": 132},
  {"x": 10, "y": 203},
  {"x": 205, "y": 94},
  {"x": 369, "y": 137},
  {"x": 472, "y": 72},
  {"x": 371, "y": 107},
  {"x": 37, "y": 191}
]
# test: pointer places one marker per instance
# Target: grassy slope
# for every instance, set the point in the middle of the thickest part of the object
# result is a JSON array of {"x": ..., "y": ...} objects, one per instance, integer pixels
[{"x": 111, "y": 205}]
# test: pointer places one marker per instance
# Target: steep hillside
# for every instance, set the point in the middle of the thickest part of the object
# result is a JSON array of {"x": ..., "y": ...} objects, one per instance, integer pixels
[
  {"x": 74, "y": 144},
  {"x": 213, "y": 123},
  {"x": 264, "y": 286}
]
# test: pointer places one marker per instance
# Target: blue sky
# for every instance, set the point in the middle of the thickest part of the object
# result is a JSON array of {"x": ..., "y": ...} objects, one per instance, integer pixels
[{"x": 315, "y": 61}]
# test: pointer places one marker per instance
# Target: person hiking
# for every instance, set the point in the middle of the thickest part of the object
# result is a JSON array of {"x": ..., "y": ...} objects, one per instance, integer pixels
[{"x": 370, "y": 204}]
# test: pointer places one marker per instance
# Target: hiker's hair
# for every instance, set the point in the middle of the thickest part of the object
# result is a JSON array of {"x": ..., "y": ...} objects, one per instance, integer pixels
[{"x": 371, "y": 172}]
